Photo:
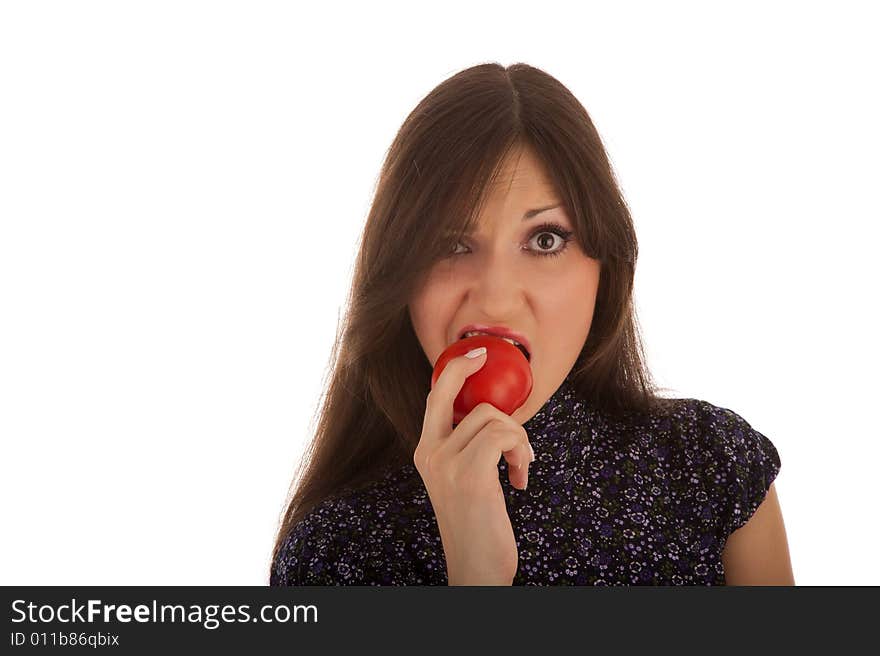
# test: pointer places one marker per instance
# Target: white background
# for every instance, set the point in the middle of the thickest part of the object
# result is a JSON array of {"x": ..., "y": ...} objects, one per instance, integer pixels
[{"x": 182, "y": 186}]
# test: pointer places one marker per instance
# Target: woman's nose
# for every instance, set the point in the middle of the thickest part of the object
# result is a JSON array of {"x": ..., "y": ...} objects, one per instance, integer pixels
[{"x": 496, "y": 284}]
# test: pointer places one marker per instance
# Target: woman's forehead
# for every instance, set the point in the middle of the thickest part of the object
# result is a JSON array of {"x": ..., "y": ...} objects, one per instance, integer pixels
[{"x": 521, "y": 170}]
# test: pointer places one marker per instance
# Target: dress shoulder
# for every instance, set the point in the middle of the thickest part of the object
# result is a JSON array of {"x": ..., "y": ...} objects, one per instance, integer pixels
[
  {"x": 352, "y": 539},
  {"x": 741, "y": 463}
]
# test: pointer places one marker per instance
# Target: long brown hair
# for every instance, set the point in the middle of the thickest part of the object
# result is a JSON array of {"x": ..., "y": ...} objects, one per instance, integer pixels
[{"x": 431, "y": 189}]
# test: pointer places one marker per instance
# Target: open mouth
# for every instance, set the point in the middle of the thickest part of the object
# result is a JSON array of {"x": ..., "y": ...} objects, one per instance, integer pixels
[{"x": 522, "y": 348}]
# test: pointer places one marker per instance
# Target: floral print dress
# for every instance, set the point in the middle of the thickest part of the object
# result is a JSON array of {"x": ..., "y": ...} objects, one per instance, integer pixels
[{"x": 649, "y": 500}]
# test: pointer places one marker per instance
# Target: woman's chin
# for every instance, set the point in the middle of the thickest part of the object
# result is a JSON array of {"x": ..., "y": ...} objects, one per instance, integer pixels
[{"x": 523, "y": 413}]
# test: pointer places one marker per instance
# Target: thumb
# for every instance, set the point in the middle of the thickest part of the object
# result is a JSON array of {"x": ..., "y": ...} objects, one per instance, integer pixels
[{"x": 476, "y": 354}]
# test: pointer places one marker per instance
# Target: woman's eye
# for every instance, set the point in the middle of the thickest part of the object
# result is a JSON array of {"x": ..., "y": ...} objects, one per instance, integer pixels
[
  {"x": 549, "y": 239},
  {"x": 547, "y": 243}
]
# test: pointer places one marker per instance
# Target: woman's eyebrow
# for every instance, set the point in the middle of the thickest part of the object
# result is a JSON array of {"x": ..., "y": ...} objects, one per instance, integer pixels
[
  {"x": 531, "y": 213},
  {"x": 528, "y": 215}
]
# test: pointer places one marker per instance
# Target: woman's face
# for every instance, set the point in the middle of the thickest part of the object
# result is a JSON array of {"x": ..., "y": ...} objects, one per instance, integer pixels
[{"x": 517, "y": 273}]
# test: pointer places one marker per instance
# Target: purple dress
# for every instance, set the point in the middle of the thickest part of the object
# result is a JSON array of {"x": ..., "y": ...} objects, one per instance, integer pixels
[{"x": 649, "y": 500}]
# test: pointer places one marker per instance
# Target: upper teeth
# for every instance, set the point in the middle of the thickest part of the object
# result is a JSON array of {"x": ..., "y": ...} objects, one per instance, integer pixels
[{"x": 471, "y": 333}]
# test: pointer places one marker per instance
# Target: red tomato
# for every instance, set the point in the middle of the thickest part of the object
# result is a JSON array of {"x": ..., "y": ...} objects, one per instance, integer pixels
[{"x": 504, "y": 380}]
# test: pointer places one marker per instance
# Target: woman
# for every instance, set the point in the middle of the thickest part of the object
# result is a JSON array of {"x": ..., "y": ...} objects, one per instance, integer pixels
[{"x": 497, "y": 211}]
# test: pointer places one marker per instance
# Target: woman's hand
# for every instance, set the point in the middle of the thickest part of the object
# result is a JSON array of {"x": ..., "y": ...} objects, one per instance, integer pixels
[{"x": 460, "y": 470}]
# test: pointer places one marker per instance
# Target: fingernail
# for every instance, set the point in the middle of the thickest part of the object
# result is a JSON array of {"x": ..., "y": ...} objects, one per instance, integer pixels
[
  {"x": 532, "y": 452},
  {"x": 475, "y": 353}
]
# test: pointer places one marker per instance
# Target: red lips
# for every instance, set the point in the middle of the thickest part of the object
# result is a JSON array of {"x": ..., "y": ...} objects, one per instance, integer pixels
[{"x": 500, "y": 331}]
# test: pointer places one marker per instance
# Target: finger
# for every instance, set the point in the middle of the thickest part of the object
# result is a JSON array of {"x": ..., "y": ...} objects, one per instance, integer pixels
[
  {"x": 518, "y": 466},
  {"x": 495, "y": 441},
  {"x": 439, "y": 405},
  {"x": 475, "y": 421},
  {"x": 518, "y": 460}
]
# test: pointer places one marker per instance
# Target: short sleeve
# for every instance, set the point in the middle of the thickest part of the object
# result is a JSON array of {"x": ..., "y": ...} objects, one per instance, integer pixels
[
  {"x": 745, "y": 465},
  {"x": 322, "y": 549},
  {"x": 302, "y": 558},
  {"x": 338, "y": 543}
]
